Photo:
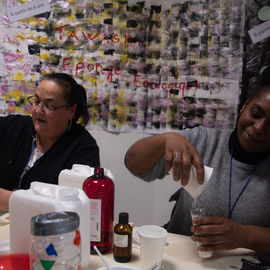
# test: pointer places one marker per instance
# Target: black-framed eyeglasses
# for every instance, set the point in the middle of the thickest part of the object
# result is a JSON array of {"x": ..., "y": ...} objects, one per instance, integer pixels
[{"x": 46, "y": 107}]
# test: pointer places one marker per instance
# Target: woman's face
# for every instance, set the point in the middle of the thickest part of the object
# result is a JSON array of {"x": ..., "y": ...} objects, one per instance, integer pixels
[
  {"x": 253, "y": 128},
  {"x": 51, "y": 123}
]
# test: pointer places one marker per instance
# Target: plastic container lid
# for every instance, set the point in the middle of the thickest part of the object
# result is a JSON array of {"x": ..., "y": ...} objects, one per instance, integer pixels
[{"x": 54, "y": 223}]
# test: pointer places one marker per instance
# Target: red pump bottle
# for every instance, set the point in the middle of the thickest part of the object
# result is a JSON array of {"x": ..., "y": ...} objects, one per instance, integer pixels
[{"x": 100, "y": 189}]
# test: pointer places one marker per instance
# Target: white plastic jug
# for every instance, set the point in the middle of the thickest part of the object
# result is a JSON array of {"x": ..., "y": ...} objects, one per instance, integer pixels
[
  {"x": 42, "y": 198},
  {"x": 78, "y": 174}
]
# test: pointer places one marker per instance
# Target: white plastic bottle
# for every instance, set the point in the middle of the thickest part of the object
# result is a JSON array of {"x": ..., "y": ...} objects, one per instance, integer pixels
[
  {"x": 43, "y": 198},
  {"x": 55, "y": 241}
]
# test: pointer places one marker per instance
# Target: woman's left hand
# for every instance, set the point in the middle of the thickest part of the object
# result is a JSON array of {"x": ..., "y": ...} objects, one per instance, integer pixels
[
  {"x": 217, "y": 233},
  {"x": 4, "y": 199}
]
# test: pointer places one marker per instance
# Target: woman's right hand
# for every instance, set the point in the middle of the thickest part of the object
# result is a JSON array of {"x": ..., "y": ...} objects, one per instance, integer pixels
[
  {"x": 177, "y": 144},
  {"x": 144, "y": 154}
]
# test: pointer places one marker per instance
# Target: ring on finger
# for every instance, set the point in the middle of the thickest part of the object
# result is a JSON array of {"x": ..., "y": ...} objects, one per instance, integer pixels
[{"x": 178, "y": 155}]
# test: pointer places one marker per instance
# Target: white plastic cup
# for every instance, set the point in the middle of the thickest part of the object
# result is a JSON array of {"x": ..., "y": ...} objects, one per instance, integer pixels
[
  {"x": 198, "y": 212},
  {"x": 152, "y": 240}
]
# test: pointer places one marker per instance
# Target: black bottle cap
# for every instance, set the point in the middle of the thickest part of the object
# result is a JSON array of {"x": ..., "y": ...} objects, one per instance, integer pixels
[
  {"x": 123, "y": 218},
  {"x": 98, "y": 170}
]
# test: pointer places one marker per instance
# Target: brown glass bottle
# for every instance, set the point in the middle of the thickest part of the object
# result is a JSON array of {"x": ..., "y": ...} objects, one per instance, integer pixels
[{"x": 122, "y": 239}]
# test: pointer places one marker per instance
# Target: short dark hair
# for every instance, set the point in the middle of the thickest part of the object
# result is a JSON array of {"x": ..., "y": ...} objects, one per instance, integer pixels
[
  {"x": 74, "y": 93},
  {"x": 265, "y": 75},
  {"x": 263, "y": 81}
]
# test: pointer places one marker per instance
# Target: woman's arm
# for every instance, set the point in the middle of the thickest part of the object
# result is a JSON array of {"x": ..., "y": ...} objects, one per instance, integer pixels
[
  {"x": 4, "y": 198},
  {"x": 257, "y": 238},
  {"x": 217, "y": 233},
  {"x": 144, "y": 154}
]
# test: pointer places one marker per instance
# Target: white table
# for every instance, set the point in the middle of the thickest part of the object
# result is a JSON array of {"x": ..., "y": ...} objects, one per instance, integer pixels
[{"x": 180, "y": 253}]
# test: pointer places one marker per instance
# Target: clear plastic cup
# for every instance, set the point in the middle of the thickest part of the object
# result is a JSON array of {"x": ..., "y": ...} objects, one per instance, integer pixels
[{"x": 198, "y": 211}]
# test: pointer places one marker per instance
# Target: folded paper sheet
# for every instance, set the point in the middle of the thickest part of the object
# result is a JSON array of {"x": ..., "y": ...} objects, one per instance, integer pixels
[{"x": 193, "y": 188}]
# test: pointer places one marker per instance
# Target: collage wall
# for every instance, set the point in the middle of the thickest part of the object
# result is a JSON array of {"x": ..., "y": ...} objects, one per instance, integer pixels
[{"x": 147, "y": 66}]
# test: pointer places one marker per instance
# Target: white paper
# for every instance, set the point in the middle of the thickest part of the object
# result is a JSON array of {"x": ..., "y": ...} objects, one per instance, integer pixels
[
  {"x": 260, "y": 32},
  {"x": 28, "y": 9},
  {"x": 193, "y": 188}
]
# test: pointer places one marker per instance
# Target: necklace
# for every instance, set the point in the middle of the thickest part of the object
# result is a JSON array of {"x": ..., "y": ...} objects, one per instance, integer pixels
[{"x": 243, "y": 188}]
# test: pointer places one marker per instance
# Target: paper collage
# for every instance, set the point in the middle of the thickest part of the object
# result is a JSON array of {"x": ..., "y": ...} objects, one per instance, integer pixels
[{"x": 147, "y": 66}]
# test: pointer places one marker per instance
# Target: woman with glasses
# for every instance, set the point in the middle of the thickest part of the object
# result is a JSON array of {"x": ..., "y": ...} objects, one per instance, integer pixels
[{"x": 37, "y": 148}]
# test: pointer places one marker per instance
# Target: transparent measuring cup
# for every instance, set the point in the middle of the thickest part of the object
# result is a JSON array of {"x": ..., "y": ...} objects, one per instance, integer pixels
[{"x": 198, "y": 211}]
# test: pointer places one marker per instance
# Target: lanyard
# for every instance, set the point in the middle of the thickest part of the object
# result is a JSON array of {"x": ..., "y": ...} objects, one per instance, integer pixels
[
  {"x": 243, "y": 188},
  {"x": 27, "y": 167}
]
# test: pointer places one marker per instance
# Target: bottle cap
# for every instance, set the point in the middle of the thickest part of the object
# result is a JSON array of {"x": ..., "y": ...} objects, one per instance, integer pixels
[
  {"x": 54, "y": 223},
  {"x": 123, "y": 218},
  {"x": 98, "y": 170}
]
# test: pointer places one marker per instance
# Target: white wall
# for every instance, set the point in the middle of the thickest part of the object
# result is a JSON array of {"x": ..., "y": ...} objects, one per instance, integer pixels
[{"x": 146, "y": 203}]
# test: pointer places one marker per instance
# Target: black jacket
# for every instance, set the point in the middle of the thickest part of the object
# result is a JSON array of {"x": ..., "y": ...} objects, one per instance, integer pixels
[{"x": 76, "y": 146}]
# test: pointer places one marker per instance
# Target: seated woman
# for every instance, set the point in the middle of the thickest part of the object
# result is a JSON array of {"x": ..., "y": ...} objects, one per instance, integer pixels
[
  {"x": 236, "y": 197},
  {"x": 37, "y": 148}
]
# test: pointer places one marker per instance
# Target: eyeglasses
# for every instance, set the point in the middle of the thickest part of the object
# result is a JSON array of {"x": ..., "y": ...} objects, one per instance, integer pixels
[{"x": 46, "y": 107}]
